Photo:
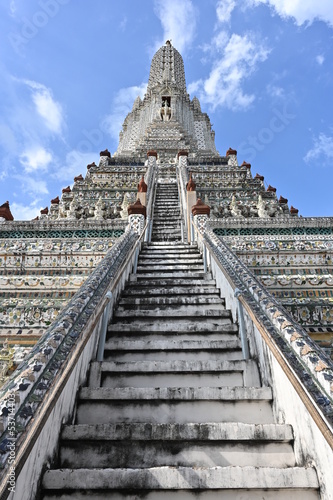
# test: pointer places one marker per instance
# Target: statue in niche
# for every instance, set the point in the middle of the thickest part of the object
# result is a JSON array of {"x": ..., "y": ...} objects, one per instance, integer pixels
[
  {"x": 165, "y": 111},
  {"x": 234, "y": 208},
  {"x": 262, "y": 208}
]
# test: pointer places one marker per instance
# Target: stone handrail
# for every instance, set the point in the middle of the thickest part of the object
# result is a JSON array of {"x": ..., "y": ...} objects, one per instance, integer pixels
[
  {"x": 309, "y": 362},
  {"x": 183, "y": 178},
  {"x": 150, "y": 178},
  {"x": 27, "y": 390}
]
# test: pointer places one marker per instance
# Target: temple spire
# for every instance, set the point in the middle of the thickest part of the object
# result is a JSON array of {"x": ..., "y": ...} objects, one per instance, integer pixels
[
  {"x": 166, "y": 119},
  {"x": 167, "y": 67}
]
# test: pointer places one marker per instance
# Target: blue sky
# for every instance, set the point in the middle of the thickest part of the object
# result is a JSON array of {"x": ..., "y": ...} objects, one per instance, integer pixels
[{"x": 71, "y": 69}]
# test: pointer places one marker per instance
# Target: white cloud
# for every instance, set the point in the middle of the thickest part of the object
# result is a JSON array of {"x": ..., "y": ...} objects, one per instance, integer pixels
[
  {"x": 302, "y": 11},
  {"x": 7, "y": 138},
  {"x": 25, "y": 212},
  {"x": 275, "y": 91},
  {"x": 123, "y": 23},
  {"x": 12, "y": 8},
  {"x": 121, "y": 105},
  {"x": 75, "y": 164},
  {"x": 178, "y": 19},
  {"x": 32, "y": 186},
  {"x": 35, "y": 158},
  {"x": 240, "y": 57},
  {"x": 322, "y": 150},
  {"x": 224, "y": 9},
  {"x": 49, "y": 109},
  {"x": 320, "y": 59}
]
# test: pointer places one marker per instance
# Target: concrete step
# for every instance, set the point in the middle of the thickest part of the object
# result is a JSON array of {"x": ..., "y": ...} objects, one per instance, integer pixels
[
  {"x": 180, "y": 405},
  {"x": 194, "y": 259},
  {"x": 165, "y": 205},
  {"x": 178, "y": 483},
  {"x": 177, "y": 373},
  {"x": 163, "y": 252},
  {"x": 144, "y": 290},
  {"x": 172, "y": 350},
  {"x": 225, "y": 431},
  {"x": 176, "y": 326},
  {"x": 125, "y": 333},
  {"x": 165, "y": 227},
  {"x": 189, "y": 285},
  {"x": 170, "y": 355},
  {"x": 171, "y": 345},
  {"x": 158, "y": 445},
  {"x": 172, "y": 275},
  {"x": 166, "y": 197},
  {"x": 166, "y": 234},
  {"x": 170, "y": 300},
  {"x": 161, "y": 203},
  {"x": 163, "y": 312},
  {"x": 173, "y": 214},
  {"x": 170, "y": 246},
  {"x": 166, "y": 264},
  {"x": 163, "y": 268},
  {"x": 172, "y": 219},
  {"x": 174, "y": 238},
  {"x": 166, "y": 220}
]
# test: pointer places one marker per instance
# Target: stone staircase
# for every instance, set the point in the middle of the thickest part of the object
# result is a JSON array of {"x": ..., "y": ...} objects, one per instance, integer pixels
[
  {"x": 166, "y": 221},
  {"x": 173, "y": 411}
]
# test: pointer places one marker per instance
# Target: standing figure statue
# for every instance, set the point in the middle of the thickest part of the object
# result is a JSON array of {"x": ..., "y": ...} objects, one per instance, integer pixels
[{"x": 165, "y": 111}]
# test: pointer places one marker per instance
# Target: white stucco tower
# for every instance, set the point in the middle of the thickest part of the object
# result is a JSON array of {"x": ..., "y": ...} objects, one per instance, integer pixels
[{"x": 166, "y": 120}]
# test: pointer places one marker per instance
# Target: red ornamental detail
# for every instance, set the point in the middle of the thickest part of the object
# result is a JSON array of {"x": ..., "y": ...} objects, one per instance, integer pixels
[
  {"x": 231, "y": 152},
  {"x": 5, "y": 212},
  {"x": 271, "y": 189},
  {"x": 260, "y": 177},
  {"x": 190, "y": 186},
  {"x": 293, "y": 210},
  {"x": 78, "y": 178},
  {"x": 283, "y": 200},
  {"x": 137, "y": 209},
  {"x": 36, "y": 218},
  {"x": 55, "y": 201},
  {"x": 142, "y": 186},
  {"x": 182, "y": 153},
  {"x": 200, "y": 208},
  {"x": 44, "y": 211},
  {"x": 152, "y": 153},
  {"x": 106, "y": 152},
  {"x": 246, "y": 164},
  {"x": 66, "y": 190},
  {"x": 93, "y": 164}
]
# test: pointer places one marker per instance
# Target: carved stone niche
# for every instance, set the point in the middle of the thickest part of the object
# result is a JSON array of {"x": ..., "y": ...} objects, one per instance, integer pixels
[{"x": 165, "y": 110}]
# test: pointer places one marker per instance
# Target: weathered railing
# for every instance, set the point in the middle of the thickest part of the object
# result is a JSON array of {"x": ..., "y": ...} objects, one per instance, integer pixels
[
  {"x": 41, "y": 393},
  {"x": 182, "y": 180},
  {"x": 299, "y": 372},
  {"x": 32, "y": 392}
]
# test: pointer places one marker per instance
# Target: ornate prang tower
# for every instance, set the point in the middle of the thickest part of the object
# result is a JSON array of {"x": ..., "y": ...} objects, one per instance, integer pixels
[
  {"x": 166, "y": 120},
  {"x": 166, "y": 324}
]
